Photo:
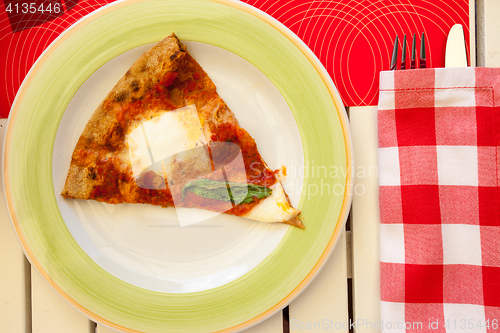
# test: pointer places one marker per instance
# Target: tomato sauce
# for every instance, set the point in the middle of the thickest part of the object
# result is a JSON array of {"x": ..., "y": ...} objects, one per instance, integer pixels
[
  {"x": 110, "y": 179},
  {"x": 256, "y": 170}
]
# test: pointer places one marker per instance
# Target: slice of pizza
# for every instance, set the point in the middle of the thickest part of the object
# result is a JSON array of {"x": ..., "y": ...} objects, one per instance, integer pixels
[{"x": 163, "y": 136}]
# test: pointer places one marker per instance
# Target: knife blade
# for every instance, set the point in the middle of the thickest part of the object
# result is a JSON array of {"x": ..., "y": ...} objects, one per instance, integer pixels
[{"x": 456, "y": 54}]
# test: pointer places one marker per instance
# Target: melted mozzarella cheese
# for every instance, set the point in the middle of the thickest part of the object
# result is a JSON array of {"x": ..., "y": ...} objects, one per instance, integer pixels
[
  {"x": 274, "y": 208},
  {"x": 171, "y": 133}
]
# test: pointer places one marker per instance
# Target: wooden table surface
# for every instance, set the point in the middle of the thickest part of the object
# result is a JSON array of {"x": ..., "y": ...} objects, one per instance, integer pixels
[{"x": 343, "y": 297}]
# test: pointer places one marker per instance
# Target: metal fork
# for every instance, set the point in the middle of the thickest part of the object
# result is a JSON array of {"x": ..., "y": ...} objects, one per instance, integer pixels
[{"x": 413, "y": 62}]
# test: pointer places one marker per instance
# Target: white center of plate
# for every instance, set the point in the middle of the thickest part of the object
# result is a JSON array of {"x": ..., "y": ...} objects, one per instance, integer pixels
[{"x": 145, "y": 245}]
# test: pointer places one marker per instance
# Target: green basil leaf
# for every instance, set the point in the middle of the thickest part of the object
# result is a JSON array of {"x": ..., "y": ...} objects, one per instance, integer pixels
[{"x": 226, "y": 191}]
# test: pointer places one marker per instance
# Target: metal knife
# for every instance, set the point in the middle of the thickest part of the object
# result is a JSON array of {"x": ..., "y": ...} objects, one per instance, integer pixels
[{"x": 456, "y": 53}]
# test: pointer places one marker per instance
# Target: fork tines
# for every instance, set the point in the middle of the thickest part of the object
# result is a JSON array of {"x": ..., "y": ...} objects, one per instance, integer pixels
[
  {"x": 423, "y": 60},
  {"x": 403, "y": 55},
  {"x": 413, "y": 56},
  {"x": 413, "y": 52},
  {"x": 394, "y": 58}
]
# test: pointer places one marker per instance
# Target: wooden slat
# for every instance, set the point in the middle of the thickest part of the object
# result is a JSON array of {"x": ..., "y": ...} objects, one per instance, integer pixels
[
  {"x": 103, "y": 329},
  {"x": 14, "y": 294},
  {"x": 273, "y": 324},
  {"x": 50, "y": 313},
  {"x": 491, "y": 26},
  {"x": 365, "y": 221},
  {"x": 323, "y": 306}
]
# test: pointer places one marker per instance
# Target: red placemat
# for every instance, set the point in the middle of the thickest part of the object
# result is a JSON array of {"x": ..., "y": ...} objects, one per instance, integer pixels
[{"x": 352, "y": 38}]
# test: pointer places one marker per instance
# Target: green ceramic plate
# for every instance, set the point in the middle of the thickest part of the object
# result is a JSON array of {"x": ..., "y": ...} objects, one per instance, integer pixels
[{"x": 142, "y": 277}]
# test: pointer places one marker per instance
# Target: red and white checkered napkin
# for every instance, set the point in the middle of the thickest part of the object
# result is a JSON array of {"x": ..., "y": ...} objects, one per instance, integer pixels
[{"x": 439, "y": 139}]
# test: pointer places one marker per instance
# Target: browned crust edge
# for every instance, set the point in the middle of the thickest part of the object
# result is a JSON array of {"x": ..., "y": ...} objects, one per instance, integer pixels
[{"x": 296, "y": 222}]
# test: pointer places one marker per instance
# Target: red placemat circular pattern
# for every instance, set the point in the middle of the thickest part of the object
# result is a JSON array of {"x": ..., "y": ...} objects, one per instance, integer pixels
[{"x": 352, "y": 39}]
